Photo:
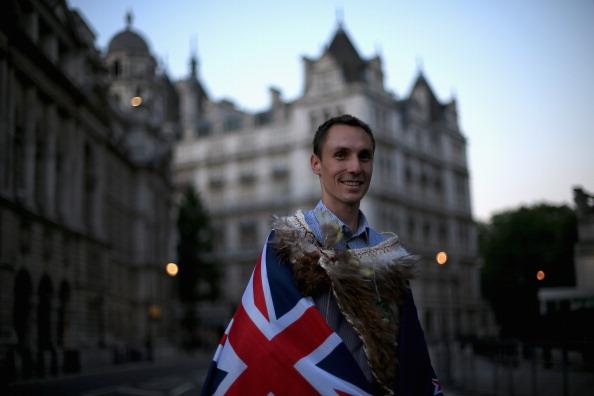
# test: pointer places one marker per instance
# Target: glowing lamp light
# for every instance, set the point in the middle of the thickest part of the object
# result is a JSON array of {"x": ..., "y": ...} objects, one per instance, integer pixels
[
  {"x": 136, "y": 101},
  {"x": 540, "y": 275},
  {"x": 154, "y": 311},
  {"x": 441, "y": 258},
  {"x": 172, "y": 269}
]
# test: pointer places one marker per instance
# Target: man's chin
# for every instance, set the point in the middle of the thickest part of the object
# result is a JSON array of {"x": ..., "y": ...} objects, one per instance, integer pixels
[{"x": 353, "y": 199}]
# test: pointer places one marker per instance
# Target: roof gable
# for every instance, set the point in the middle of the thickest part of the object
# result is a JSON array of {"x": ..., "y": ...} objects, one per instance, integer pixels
[{"x": 345, "y": 54}]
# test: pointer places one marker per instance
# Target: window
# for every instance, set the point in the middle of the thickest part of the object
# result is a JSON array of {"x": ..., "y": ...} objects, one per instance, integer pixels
[
  {"x": 216, "y": 183},
  {"x": 426, "y": 231},
  {"x": 89, "y": 186},
  {"x": 428, "y": 322},
  {"x": 40, "y": 167},
  {"x": 19, "y": 159},
  {"x": 313, "y": 121},
  {"x": 280, "y": 172},
  {"x": 204, "y": 129},
  {"x": 438, "y": 184},
  {"x": 443, "y": 233},
  {"x": 408, "y": 178},
  {"x": 262, "y": 118},
  {"x": 116, "y": 69},
  {"x": 247, "y": 179},
  {"x": 231, "y": 123},
  {"x": 412, "y": 228},
  {"x": 219, "y": 237},
  {"x": 424, "y": 180},
  {"x": 461, "y": 183},
  {"x": 463, "y": 235},
  {"x": 248, "y": 234}
]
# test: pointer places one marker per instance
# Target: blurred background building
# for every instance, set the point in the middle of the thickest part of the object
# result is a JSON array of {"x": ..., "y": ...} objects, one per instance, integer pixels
[
  {"x": 85, "y": 194},
  {"x": 250, "y": 166},
  {"x": 86, "y": 188}
]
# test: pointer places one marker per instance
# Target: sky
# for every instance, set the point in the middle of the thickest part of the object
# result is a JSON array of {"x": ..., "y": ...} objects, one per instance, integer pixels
[{"x": 522, "y": 72}]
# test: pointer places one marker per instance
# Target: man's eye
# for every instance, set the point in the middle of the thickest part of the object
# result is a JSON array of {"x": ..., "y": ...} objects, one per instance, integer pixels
[{"x": 339, "y": 155}]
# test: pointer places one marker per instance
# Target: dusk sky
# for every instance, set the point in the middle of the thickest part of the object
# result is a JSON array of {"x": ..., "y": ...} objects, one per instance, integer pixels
[{"x": 522, "y": 71}]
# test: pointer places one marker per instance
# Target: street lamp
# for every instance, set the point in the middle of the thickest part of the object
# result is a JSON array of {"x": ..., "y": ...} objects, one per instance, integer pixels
[
  {"x": 441, "y": 258},
  {"x": 136, "y": 101},
  {"x": 172, "y": 269},
  {"x": 540, "y": 275}
]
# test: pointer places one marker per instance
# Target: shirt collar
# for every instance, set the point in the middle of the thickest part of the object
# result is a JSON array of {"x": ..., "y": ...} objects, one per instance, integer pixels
[{"x": 323, "y": 214}]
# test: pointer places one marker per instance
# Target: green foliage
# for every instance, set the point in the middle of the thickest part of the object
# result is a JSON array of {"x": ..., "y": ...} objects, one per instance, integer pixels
[
  {"x": 514, "y": 246},
  {"x": 198, "y": 276}
]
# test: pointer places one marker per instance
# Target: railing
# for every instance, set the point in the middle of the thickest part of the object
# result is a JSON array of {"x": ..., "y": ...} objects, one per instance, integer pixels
[{"x": 514, "y": 368}]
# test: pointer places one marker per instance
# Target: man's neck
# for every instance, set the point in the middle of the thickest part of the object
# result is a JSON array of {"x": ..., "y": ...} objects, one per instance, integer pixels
[{"x": 348, "y": 214}]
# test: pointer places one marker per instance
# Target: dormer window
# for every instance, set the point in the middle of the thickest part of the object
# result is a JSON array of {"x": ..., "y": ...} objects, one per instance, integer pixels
[{"x": 231, "y": 123}]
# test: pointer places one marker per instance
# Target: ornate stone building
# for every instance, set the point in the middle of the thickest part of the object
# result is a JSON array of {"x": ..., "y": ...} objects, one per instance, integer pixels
[
  {"x": 85, "y": 194},
  {"x": 251, "y": 166}
]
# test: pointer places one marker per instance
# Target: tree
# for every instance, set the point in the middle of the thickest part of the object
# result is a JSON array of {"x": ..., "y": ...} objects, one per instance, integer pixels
[
  {"x": 198, "y": 277},
  {"x": 514, "y": 246}
]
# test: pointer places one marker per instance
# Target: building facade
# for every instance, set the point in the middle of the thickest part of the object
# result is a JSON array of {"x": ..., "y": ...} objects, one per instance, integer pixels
[
  {"x": 85, "y": 195},
  {"x": 250, "y": 166}
]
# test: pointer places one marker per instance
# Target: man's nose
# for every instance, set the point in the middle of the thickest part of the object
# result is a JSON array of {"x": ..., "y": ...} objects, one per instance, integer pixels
[{"x": 354, "y": 165}]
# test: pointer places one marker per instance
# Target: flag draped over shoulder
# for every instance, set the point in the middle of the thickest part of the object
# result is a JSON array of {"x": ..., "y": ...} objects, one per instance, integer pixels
[{"x": 279, "y": 343}]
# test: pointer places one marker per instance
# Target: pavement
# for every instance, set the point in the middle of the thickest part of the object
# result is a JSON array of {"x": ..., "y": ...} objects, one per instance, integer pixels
[{"x": 180, "y": 376}]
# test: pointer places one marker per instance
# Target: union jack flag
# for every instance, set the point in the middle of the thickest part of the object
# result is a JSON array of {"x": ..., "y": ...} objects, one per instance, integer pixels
[{"x": 278, "y": 343}]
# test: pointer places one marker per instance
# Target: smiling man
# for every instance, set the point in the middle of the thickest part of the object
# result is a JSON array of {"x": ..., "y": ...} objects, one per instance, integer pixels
[
  {"x": 343, "y": 159},
  {"x": 328, "y": 309}
]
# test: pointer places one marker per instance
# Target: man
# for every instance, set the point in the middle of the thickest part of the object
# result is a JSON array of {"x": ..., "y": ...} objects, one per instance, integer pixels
[{"x": 328, "y": 309}]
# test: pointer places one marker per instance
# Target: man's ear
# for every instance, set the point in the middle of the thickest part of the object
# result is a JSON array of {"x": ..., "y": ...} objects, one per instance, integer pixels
[{"x": 315, "y": 163}]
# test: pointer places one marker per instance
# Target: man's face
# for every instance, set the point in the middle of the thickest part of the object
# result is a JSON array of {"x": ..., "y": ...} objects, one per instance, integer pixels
[{"x": 345, "y": 166}]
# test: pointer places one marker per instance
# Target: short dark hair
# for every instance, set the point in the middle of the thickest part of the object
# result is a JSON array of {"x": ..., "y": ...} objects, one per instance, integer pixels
[{"x": 344, "y": 119}]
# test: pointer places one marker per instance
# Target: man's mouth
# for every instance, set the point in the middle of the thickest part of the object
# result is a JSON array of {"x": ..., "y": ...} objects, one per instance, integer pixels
[{"x": 352, "y": 183}]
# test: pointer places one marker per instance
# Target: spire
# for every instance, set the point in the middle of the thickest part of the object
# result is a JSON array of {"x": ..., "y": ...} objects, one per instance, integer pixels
[
  {"x": 378, "y": 49},
  {"x": 420, "y": 65},
  {"x": 339, "y": 18},
  {"x": 193, "y": 57},
  {"x": 129, "y": 19}
]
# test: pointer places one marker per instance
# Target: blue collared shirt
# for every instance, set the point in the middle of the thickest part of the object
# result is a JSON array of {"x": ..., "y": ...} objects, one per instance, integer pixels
[{"x": 363, "y": 236}]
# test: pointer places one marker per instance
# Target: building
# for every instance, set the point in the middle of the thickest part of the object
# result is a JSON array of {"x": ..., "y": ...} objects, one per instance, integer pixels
[
  {"x": 249, "y": 166},
  {"x": 85, "y": 194}
]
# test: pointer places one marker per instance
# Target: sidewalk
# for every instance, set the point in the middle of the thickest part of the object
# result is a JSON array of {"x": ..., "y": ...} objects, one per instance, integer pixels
[{"x": 198, "y": 360}]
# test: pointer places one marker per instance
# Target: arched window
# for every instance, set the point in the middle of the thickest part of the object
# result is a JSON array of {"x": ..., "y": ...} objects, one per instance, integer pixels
[
  {"x": 21, "y": 315},
  {"x": 21, "y": 311},
  {"x": 44, "y": 311},
  {"x": 63, "y": 301}
]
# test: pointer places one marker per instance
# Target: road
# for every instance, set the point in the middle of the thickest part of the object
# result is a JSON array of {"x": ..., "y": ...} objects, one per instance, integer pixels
[{"x": 179, "y": 377}]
